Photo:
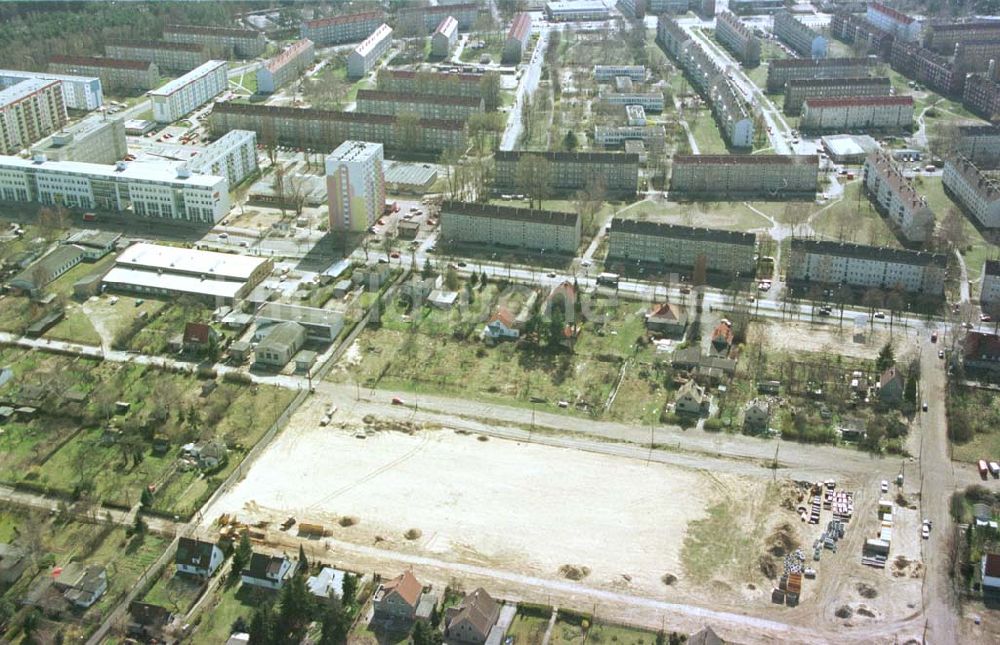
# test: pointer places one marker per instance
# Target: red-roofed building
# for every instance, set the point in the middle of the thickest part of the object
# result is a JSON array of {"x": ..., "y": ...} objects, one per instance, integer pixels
[
  {"x": 517, "y": 38},
  {"x": 982, "y": 351},
  {"x": 895, "y": 22},
  {"x": 667, "y": 319},
  {"x": 501, "y": 326},
  {"x": 198, "y": 337},
  {"x": 397, "y": 599},
  {"x": 722, "y": 338},
  {"x": 857, "y": 113}
]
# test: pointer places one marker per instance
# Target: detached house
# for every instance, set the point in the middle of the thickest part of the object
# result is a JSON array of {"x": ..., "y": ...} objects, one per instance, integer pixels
[
  {"x": 990, "y": 569},
  {"x": 667, "y": 319},
  {"x": 501, "y": 326},
  {"x": 472, "y": 619},
  {"x": 197, "y": 557},
  {"x": 198, "y": 337},
  {"x": 691, "y": 399},
  {"x": 82, "y": 585},
  {"x": 147, "y": 621},
  {"x": 722, "y": 338},
  {"x": 268, "y": 571},
  {"x": 397, "y": 599},
  {"x": 891, "y": 386},
  {"x": 982, "y": 351},
  {"x": 757, "y": 415}
]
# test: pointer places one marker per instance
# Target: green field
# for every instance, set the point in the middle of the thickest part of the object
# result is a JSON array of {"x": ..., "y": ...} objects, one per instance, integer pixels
[{"x": 973, "y": 423}]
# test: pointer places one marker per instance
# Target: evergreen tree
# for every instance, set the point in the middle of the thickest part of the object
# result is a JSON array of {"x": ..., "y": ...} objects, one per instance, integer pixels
[
  {"x": 241, "y": 556},
  {"x": 569, "y": 141},
  {"x": 336, "y": 624},
  {"x": 262, "y": 626},
  {"x": 350, "y": 589},
  {"x": 146, "y": 499},
  {"x": 424, "y": 634},
  {"x": 886, "y": 358},
  {"x": 910, "y": 392},
  {"x": 303, "y": 566},
  {"x": 296, "y": 609}
]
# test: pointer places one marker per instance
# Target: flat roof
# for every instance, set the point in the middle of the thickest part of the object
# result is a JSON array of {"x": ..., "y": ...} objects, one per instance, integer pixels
[
  {"x": 577, "y": 157},
  {"x": 166, "y": 173},
  {"x": 281, "y": 312},
  {"x": 834, "y": 82},
  {"x": 842, "y": 145},
  {"x": 212, "y": 31},
  {"x": 332, "y": 115},
  {"x": 575, "y": 5},
  {"x": 13, "y": 73},
  {"x": 408, "y": 173},
  {"x": 198, "y": 72},
  {"x": 158, "y": 44},
  {"x": 353, "y": 150},
  {"x": 171, "y": 258},
  {"x": 172, "y": 282},
  {"x": 23, "y": 89},
  {"x": 822, "y": 62}
]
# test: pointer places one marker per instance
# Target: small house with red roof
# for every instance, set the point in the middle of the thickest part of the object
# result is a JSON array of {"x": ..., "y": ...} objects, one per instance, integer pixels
[
  {"x": 501, "y": 326},
  {"x": 397, "y": 599},
  {"x": 990, "y": 569},
  {"x": 982, "y": 351},
  {"x": 198, "y": 337},
  {"x": 667, "y": 319}
]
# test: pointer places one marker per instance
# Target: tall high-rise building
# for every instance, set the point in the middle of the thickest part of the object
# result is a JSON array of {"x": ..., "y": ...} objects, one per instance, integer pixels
[{"x": 355, "y": 185}]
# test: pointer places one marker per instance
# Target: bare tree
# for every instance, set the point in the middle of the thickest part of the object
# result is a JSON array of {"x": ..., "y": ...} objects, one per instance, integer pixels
[{"x": 534, "y": 177}]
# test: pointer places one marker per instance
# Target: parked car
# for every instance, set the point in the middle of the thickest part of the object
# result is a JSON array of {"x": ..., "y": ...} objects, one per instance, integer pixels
[
  {"x": 884, "y": 486},
  {"x": 924, "y": 406},
  {"x": 879, "y": 314},
  {"x": 397, "y": 401}
]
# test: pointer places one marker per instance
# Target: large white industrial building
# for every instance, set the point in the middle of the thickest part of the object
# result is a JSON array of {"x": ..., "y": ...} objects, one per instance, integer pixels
[{"x": 189, "y": 92}]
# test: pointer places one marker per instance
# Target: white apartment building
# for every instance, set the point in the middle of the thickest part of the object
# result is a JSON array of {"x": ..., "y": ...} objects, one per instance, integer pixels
[
  {"x": 895, "y": 197},
  {"x": 857, "y": 113},
  {"x": 362, "y": 58},
  {"x": 608, "y": 73},
  {"x": 654, "y": 136},
  {"x": 895, "y": 22},
  {"x": 285, "y": 67},
  {"x": 95, "y": 139},
  {"x": 726, "y": 252},
  {"x": 977, "y": 192},
  {"x": 189, "y": 92},
  {"x": 151, "y": 190},
  {"x": 742, "y": 176},
  {"x": 989, "y": 295},
  {"x": 342, "y": 29},
  {"x": 234, "y": 156},
  {"x": 799, "y": 36},
  {"x": 505, "y": 226},
  {"x": 826, "y": 262},
  {"x": 445, "y": 37},
  {"x": 980, "y": 144},
  {"x": 355, "y": 185},
  {"x": 573, "y": 10},
  {"x": 79, "y": 92},
  {"x": 650, "y": 101},
  {"x": 29, "y": 111}
]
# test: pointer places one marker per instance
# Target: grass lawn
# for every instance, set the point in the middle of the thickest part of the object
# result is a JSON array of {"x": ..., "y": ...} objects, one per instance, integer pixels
[
  {"x": 973, "y": 424},
  {"x": 734, "y": 216},
  {"x": 493, "y": 49},
  {"x": 175, "y": 591},
  {"x": 155, "y": 336},
  {"x": 853, "y": 219},
  {"x": 527, "y": 629},
  {"x": 75, "y": 328},
  {"x": 565, "y": 633},
  {"x": 228, "y": 603},
  {"x": 706, "y": 132},
  {"x": 63, "y": 285},
  {"x": 979, "y": 249},
  {"x": 365, "y": 634}
]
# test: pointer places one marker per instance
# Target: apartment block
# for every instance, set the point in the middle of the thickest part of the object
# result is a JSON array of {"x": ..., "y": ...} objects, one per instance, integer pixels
[
  {"x": 149, "y": 190},
  {"x": 858, "y": 265},
  {"x": 941, "y": 37},
  {"x": 426, "y": 106},
  {"x": 445, "y": 37},
  {"x": 898, "y": 24},
  {"x": 976, "y": 191},
  {"x": 342, "y": 29},
  {"x": 799, "y": 36},
  {"x": 428, "y": 18},
  {"x": 608, "y": 73},
  {"x": 989, "y": 293},
  {"x": 181, "y": 57},
  {"x": 635, "y": 115},
  {"x": 857, "y": 31},
  {"x": 780, "y": 72},
  {"x": 412, "y": 82},
  {"x": 189, "y": 92},
  {"x": 743, "y": 176},
  {"x": 233, "y": 156},
  {"x": 894, "y": 196},
  {"x": 738, "y": 38},
  {"x": 650, "y": 101},
  {"x": 517, "y": 38},
  {"x": 362, "y": 58},
  {"x": 327, "y": 129},
  {"x": 797, "y": 91},
  {"x": 507, "y": 227},
  {"x": 576, "y": 10},
  {"x": 287, "y": 66},
  {"x": 975, "y": 56},
  {"x": 748, "y": 7},
  {"x": 571, "y": 171},
  {"x": 862, "y": 113},
  {"x": 355, "y": 185},
  {"x": 79, "y": 92},
  {"x": 724, "y": 252},
  {"x": 94, "y": 140},
  {"x": 115, "y": 74},
  {"x": 980, "y": 144},
  {"x": 224, "y": 41},
  {"x": 982, "y": 96},
  {"x": 926, "y": 67},
  {"x": 29, "y": 111},
  {"x": 609, "y": 136}
]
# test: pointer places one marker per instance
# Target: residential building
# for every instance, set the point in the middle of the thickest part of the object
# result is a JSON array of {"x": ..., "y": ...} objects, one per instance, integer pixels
[
  {"x": 980, "y": 144},
  {"x": 901, "y": 26},
  {"x": 617, "y": 173},
  {"x": 576, "y": 10},
  {"x": 667, "y": 319},
  {"x": 865, "y": 36},
  {"x": 426, "y": 106},
  {"x": 981, "y": 351},
  {"x": 335, "y": 30},
  {"x": 189, "y": 92},
  {"x": 858, "y": 265},
  {"x": 976, "y": 56},
  {"x": 362, "y": 58},
  {"x": 279, "y": 343},
  {"x": 94, "y": 140},
  {"x": 732, "y": 114},
  {"x": 890, "y": 386},
  {"x": 268, "y": 571},
  {"x": 724, "y": 252},
  {"x": 197, "y": 557},
  {"x": 14, "y": 561},
  {"x": 941, "y": 37},
  {"x": 749, "y": 7},
  {"x": 642, "y": 8},
  {"x": 82, "y": 585},
  {"x": 471, "y": 620},
  {"x": 653, "y": 136},
  {"x": 757, "y": 415},
  {"x": 518, "y": 38},
  {"x": 857, "y": 113},
  {"x": 57, "y": 262},
  {"x": 975, "y": 191},
  {"x": 326, "y": 129},
  {"x": 95, "y": 244},
  {"x": 234, "y": 156},
  {"x": 989, "y": 293},
  {"x": 29, "y": 111},
  {"x": 780, "y": 72},
  {"x": 181, "y": 57},
  {"x": 798, "y": 90},
  {"x": 147, "y": 621},
  {"x": 989, "y": 569},
  {"x": 650, "y": 101},
  {"x": 608, "y": 73},
  {"x": 799, "y": 36},
  {"x": 424, "y": 82},
  {"x": 704, "y": 8},
  {"x": 115, "y": 74},
  {"x": 152, "y": 190},
  {"x": 327, "y": 585},
  {"x": 705, "y": 368},
  {"x": 501, "y": 326},
  {"x": 355, "y": 184},
  {"x": 926, "y": 67},
  {"x": 287, "y": 66},
  {"x": 221, "y": 41},
  {"x": 509, "y": 227},
  {"x": 82, "y": 93},
  {"x": 895, "y": 197},
  {"x": 982, "y": 96},
  {"x": 635, "y": 115},
  {"x": 744, "y": 176},
  {"x": 691, "y": 399},
  {"x": 396, "y": 600},
  {"x": 445, "y": 37},
  {"x": 428, "y": 17},
  {"x": 738, "y": 38}
]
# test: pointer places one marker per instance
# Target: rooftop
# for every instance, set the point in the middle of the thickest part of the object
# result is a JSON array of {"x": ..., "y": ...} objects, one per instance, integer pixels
[
  {"x": 343, "y": 20},
  {"x": 898, "y": 16},
  {"x": 99, "y": 61},
  {"x": 282, "y": 334},
  {"x": 464, "y": 77},
  {"x": 980, "y": 345},
  {"x": 577, "y": 157},
  {"x": 992, "y": 267},
  {"x": 288, "y": 54},
  {"x": 352, "y": 150},
  {"x": 521, "y": 26},
  {"x": 276, "y": 311},
  {"x": 381, "y": 32},
  {"x": 228, "y": 107},
  {"x": 445, "y": 8},
  {"x": 510, "y": 213},
  {"x": 178, "y": 83},
  {"x": 858, "y": 101},
  {"x": 172, "y": 282},
  {"x": 575, "y": 5},
  {"x": 24, "y": 89},
  {"x": 408, "y": 173},
  {"x": 11, "y": 73},
  {"x": 405, "y": 585},
  {"x": 822, "y": 62},
  {"x": 418, "y": 97},
  {"x": 192, "y": 261},
  {"x": 865, "y": 252},
  {"x": 747, "y": 160},
  {"x": 158, "y": 44},
  {"x": 619, "y": 225},
  {"x": 836, "y": 82},
  {"x": 447, "y": 26},
  {"x": 152, "y": 171}
]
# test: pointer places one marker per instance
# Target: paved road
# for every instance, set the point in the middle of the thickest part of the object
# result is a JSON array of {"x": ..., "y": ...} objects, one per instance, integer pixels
[{"x": 529, "y": 82}]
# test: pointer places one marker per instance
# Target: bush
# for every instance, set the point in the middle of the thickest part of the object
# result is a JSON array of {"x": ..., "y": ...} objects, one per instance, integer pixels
[
  {"x": 534, "y": 610},
  {"x": 574, "y": 617},
  {"x": 713, "y": 425}
]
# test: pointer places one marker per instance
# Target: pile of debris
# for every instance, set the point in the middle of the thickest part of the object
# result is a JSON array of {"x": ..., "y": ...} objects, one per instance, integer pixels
[{"x": 828, "y": 538}]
